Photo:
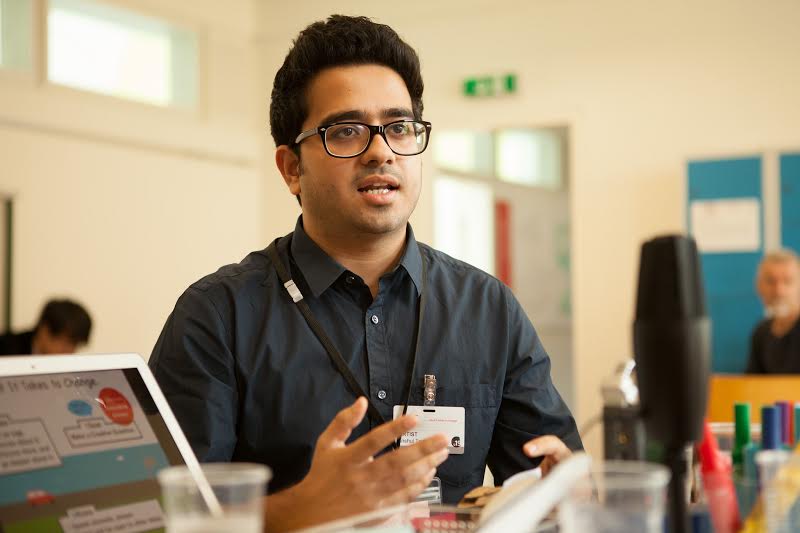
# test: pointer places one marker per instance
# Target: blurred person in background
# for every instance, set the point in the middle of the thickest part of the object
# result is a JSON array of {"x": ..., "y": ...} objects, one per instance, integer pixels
[
  {"x": 63, "y": 327},
  {"x": 775, "y": 342}
]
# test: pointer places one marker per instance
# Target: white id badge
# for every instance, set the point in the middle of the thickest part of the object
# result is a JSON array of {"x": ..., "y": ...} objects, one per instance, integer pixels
[{"x": 432, "y": 420}]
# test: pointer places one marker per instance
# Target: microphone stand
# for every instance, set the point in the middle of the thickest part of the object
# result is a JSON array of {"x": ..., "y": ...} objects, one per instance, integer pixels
[{"x": 675, "y": 460}]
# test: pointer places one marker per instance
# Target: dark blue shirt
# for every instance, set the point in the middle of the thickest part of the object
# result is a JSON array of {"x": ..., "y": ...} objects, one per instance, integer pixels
[
  {"x": 249, "y": 381},
  {"x": 774, "y": 355},
  {"x": 17, "y": 343}
]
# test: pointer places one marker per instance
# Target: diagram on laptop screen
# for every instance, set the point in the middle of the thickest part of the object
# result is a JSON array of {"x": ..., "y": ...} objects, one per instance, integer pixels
[{"x": 65, "y": 440}]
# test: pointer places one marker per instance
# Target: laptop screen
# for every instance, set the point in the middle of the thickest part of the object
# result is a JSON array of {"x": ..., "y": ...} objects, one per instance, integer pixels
[{"x": 79, "y": 453}]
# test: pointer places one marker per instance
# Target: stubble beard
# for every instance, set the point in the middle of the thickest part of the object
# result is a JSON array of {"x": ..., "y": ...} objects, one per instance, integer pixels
[
  {"x": 374, "y": 220},
  {"x": 381, "y": 224}
]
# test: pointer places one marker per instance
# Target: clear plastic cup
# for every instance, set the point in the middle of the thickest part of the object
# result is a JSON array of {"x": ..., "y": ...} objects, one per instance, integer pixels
[
  {"x": 746, "y": 495},
  {"x": 779, "y": 476},
  {"x": 617, "y": 497},
  {"x": 239, "y": 488}
]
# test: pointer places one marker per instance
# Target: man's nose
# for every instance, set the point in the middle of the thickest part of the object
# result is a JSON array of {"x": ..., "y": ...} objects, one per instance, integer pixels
[{"x": 378, "y": 151}]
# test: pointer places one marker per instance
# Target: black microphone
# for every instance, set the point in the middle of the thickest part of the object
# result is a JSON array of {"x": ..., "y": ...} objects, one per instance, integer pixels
[{"x": 671, "y": 342}]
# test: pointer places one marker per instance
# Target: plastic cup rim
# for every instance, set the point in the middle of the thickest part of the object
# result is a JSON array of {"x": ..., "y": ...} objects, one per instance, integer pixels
[
  {"x": 771, "y": 457},
  {"x": 232, "y": 474},
  {"x": 633, "y": 475}
]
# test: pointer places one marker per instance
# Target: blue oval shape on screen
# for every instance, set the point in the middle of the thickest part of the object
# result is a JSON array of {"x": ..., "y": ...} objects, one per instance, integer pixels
[{"x": 79, "y": 408}]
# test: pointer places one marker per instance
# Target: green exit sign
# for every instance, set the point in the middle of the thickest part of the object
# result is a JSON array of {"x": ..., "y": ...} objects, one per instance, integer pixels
[{"x": 490, "y": 85}]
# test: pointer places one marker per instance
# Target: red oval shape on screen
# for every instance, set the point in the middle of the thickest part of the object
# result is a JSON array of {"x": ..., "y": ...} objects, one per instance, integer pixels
[{"x": 116, "y": 406}]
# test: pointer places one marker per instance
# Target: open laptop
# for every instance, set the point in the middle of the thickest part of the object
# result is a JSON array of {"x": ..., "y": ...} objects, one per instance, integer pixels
[{"x": 81, "y": 440}]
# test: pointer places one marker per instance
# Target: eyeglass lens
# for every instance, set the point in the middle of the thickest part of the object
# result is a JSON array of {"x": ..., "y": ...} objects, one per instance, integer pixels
[{"x": 404, "y": 138}]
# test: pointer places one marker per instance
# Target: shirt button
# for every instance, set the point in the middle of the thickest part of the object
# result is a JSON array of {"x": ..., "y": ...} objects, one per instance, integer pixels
[
  {"x": 375, "y": 320},
  {"x": 381, "y": 394},
  {"x": 350, "y": 279}
]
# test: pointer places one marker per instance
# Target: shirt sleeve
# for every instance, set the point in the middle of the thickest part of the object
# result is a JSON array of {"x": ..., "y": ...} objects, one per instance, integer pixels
[
  {"x": 531, "y": 406},
  {"x": 194, "y": 367}
]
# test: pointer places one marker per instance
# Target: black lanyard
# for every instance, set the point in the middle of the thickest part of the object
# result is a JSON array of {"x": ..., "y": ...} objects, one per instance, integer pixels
[{"x": 333, "y": 353}]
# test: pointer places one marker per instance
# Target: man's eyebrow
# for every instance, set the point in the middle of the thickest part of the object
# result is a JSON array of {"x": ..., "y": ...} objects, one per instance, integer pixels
[
  {"x": 352, "y": 114},
  {"x": 361, "y": 116},
  {"x": 397, "y": 112}
]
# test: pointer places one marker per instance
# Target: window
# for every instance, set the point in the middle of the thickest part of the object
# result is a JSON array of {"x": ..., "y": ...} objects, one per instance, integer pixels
[
  {"x": 463, "y": 151},
  {"x": 113, "y": 51},
  {"x": 535, "y": 157},
  {"x": 532, "y": 157},
  {"x": 15, "y": 34}
]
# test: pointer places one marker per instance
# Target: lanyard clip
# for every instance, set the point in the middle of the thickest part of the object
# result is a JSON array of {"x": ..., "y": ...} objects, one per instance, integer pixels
[
  {"x": 293, "y": 291},
  {"x": 429, "y": 395}
]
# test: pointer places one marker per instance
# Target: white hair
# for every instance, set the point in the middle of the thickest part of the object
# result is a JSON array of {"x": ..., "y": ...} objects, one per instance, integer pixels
[{"x": 782, "y": 255}]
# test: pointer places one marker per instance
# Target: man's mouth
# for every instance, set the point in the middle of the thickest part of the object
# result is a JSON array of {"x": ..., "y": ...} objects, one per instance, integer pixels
[{"x": 378, "y": 189}]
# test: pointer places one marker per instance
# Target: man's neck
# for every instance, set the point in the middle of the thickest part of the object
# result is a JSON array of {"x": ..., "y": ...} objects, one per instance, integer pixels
[
  {"x": 35, "y": 343},
  {"x": 368, "y": 255},
  {"x": 780, "y": 326}
]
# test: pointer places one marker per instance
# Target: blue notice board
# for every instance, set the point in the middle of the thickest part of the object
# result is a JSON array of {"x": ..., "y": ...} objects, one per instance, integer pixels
[
  {"x": 790, "y": 201},
  {"x": 733, "y": 304}
]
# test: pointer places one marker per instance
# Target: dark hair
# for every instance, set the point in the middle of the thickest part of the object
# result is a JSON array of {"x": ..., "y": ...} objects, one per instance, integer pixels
[
  {"x": 338, "y": 41},
  {"x": 65, "y": 317}
]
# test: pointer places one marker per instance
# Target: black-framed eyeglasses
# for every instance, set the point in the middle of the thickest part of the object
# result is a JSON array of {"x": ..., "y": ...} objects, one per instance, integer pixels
[{"x": 351, "y": 139}]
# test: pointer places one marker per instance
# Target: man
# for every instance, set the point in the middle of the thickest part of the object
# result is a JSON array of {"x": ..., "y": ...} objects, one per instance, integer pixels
[
  {"x": 62, "y": 328},
  {"x": 775, "y": 343},
  {"x": 252, "y": 379}
]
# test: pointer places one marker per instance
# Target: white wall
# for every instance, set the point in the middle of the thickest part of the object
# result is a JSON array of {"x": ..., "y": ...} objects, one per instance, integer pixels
[
  {"x": 122, "y": 205},
  {"x": 3, "y": 245},
  {"x": 643, "y": 86}
]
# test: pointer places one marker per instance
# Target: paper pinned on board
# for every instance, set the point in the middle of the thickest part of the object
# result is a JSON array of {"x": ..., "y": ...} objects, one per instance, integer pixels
[{"x": 726, "y": 225}]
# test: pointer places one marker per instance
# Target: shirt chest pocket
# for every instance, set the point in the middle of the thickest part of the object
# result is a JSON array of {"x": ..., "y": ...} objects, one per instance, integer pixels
[
  {"x": 467, "y": 395},
  {"x": 479, "y": 401}
]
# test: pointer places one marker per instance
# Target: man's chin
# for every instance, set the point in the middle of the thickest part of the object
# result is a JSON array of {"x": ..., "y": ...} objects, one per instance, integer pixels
[
  {"x": 780, "y": 311},
  {"x": 381, "y": 225}
]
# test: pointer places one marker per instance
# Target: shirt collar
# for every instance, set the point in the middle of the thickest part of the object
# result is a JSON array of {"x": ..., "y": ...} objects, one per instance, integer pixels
[
  {"x": 320, "y": 270},
  {"x": 412, "y": 259}
]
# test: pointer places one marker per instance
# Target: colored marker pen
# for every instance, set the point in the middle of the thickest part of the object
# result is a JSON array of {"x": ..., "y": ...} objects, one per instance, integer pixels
[
  {"x": 785, "y": 410},
  {"x": 770, "y": 428},
  {"x": 741, "y": 412},
  {"x": 718, "y": 484},
  {"x": 797, "y": 423}
]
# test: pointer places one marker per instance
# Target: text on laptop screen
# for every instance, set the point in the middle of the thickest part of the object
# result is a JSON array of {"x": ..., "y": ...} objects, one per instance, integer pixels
[{"x": 79, "y": 453}]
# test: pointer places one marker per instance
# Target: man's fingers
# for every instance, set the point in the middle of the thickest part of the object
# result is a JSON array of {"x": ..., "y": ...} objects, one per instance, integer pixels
[
  {"x": 392, "y": 475},
  {"x": 428, "y": 453},
  {"x": 549, "y": 445},
  {"x": 379, "y": 438},
  {"x": 420, "y": 470},
  {"x": 343, "y": 424},
  {"x": 409, "y": 492},
  {"x": 547, "y": 465},
  {"x": 408, "y": 465}
]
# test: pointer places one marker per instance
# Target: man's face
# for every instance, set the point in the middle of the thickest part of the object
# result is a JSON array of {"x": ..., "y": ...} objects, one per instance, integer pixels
[
  {"x": 779, "y": 287},
  {"x": 375, "y": 192},
  {"x": 46, "y": 343}
]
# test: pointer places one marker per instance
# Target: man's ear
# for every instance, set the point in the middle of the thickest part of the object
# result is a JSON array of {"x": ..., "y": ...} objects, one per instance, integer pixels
[{"x": 289, "y": 166}]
